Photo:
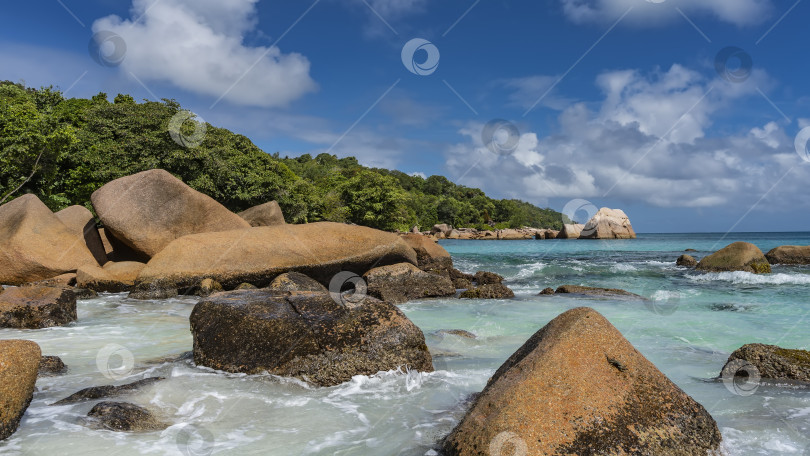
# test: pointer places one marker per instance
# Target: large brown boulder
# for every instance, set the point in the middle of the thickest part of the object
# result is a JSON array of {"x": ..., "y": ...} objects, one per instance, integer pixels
[
  {"x": 148, "y": 210},
  {"x": 114, "y": 277},
  {"x": 305, "y": 335},
  {"x": 117, "y": 250},
  {"x": 570, "y": 231},
  {"x": 398, "y": 283},
  {"x": 578, "y": 387},
  {"x": 770, "y": 362},
  {"x": 19, "y": 364},
  {"x": 789, "y": 254},
  {"x": 257, "y": 255},
  {"x": 429, "y": 254},
  {"x": 37, "y": 307},
  {"x": 739, "y": 256},
  {"x": 608, "y": 224},
  {"x": 35, "y": 244},
  {"x": 81, "y": 222},
  {"x": 267, "y": 214}
]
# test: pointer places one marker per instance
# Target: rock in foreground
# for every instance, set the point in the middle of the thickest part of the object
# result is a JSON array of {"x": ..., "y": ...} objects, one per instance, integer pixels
[
  {"x": 608, "y": 224},
  {"x": 578, "y": 386},
  {"x": 37, "y": 307},
  {"x": 19, "y": 363},
  {"x": 148, "y": 210},
  {"x": 739, "y": 256},
  {"x": 399, "y": 283},
  {"x": 771, "y": 362},
  {"x": 257, "y": 255},
  {"x": 789, "y": 254},
  {"x": 35, "y": 244},
  {"x": 306, "y": 335}
]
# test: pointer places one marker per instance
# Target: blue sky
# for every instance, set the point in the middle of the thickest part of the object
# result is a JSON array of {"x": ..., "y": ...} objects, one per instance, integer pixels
[{"x": 619, "y": 103}]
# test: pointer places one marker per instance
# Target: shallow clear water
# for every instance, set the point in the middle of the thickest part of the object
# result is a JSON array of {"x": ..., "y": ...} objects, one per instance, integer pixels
[{"x": 688, "y": 330}]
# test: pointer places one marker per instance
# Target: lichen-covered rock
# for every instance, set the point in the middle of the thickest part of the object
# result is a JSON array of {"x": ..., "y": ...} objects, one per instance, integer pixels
[
  {"x": 123, "y": 416},
  {"x": 578, "y": 387},
  {"x": 19, "y": 363},
  {"x": 403, "y": 282},
  {"x": 486, "y": 278},
  {"x": 105, "y": 391},
  {"x": 488, "y": 291},
  {"x": 789, "y": 254},
  {"x": 37, "y": 307},
  {"x": 267, "y": 214},
  {"x": 295, "y": 281},
  {"x": 739, "y": 256},
  {"x": 154, "y": 289},
  {"x": 51, "y": 365},
  {"x": 304, "y": 335},
  {"x": 687, "y": 261},
  {"x": 207, "y": 287},
  {"x": 462, "y": 284},
  {"x": 597, "y": 292},
  {"x": 772, "y": 362}
]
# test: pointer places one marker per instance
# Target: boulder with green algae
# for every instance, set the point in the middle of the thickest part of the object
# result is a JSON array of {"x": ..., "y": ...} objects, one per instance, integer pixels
[
  {"x": 739, "y": 256},
  {"x": 772, "y": 362}
]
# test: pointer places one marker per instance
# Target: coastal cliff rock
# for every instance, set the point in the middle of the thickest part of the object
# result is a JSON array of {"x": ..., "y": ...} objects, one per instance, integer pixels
[
  {"x": 772, "y": 362},
  {"x": 35, "y": 244},
  {"x": 578, "y": 386},
  {"x": 399, "y": 283},
  {"x": 81, "y": 222},
  {"x": 305, "y": 335},
  {"x": 257, "y": 255},
  {"x": 36, "y": 307},
  {"x": 686, "y": 260},
  {"x": 429, "y": 254},
  {"x": 267, "y": 214},
  {"x": 739, "y": 256},
  {"x": 608, "y": 224},
  {"x": 789, "y": 254},
  {"x": 19, "y": 364},
  {"x": 114, "y": 277},
  {"x": 148, "y": 210},
  {"x": 570, "y": 231}
]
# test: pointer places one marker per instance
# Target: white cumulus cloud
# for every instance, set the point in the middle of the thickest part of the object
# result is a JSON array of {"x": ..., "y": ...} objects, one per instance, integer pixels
[
  {"x": 738, "y": 12},
  {"x": 198, "y": 45}
]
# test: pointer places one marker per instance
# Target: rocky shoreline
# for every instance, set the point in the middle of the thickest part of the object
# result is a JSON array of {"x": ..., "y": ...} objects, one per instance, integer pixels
[{"x": 318, "y": 302}]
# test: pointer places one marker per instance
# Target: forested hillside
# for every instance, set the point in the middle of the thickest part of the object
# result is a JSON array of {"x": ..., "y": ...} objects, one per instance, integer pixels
[{"x": 64, "y": 149}]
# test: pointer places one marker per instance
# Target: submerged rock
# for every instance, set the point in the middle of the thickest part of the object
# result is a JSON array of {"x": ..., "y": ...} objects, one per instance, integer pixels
[
  {"x": 306, "y": 335},
  {"x": 51, "y": 365},
  {"x": 101, "y": 392},
  {"x": 456, "y": 332},
  {"x": 596, "y": 291},
  {"x": 546, "y": 291},
  {"x": 295, "y": 281},
  {"x": 399, "y": 283},
  {"x": 126, "y": 417},
  {"x": 37, "y": 307},
  {"x": 577, "y": 386},
  {"x": 487, "y": 278},
  {"x": 488, "y": 291},
  {"x": 19, "y": 363},
  {"x": 686, "y": 260},
  {"x": 771, "y": 362},
  {"x": 789, "y": 254},
  {"x": 148, "y": 210},
  {"x": 608, "y": 224},
  {"x": 739, "y": 256},
  {"x": 267, "y": 214}
]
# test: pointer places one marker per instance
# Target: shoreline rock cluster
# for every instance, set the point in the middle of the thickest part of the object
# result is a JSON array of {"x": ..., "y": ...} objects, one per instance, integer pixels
[{"x": 744, "y": 256}]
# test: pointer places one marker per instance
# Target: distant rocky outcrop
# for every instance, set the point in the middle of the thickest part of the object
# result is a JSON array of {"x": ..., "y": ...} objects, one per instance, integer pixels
[
  {"x": 771, "y": 362},
  {"x": 36, "y": 307},
  {"x": 19, "y": 364},
  {"x": 305, "y": 335},
  {"x": 35, "y": 244},
  {"x": 148, "y": 210},
  {"x": 578, "y": 386},
  {"x": 570, "y": 231},
  {"x": 608, "y": 224},
  {"x": 739, "y": 256},
  {"x": 789, "y": 254},
  {"x": 267, "y": 214}
]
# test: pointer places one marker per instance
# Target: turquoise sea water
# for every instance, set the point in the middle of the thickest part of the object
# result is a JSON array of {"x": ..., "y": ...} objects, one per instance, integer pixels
[{"x": 688, "y": 328}]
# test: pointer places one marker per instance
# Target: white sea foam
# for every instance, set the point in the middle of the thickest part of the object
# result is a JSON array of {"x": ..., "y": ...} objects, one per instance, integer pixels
[
  {"x": 740, "y": 277},
  {"x": 623, "y": 267},
  {"x": 528, "y": 270}
]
